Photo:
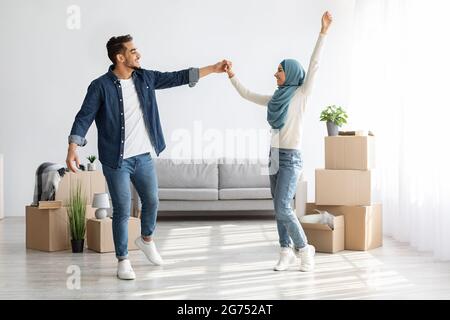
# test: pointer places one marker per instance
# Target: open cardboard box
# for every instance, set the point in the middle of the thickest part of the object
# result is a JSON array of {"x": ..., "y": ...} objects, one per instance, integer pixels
[
  {"x": 363, "y": 224},
  {"x": 325, "y": 239}
]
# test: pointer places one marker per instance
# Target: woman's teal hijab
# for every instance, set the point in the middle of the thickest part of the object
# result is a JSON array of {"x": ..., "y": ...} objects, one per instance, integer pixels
[{"x": 278, "y": 106}]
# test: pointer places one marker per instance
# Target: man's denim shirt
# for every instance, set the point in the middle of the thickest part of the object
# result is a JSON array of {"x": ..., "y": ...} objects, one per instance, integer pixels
[{"x": 104, "y": 103}]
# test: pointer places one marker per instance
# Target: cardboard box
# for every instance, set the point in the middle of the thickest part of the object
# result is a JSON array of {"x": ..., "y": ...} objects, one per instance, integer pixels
[
  {"x": 344, "y": 187},
  {"x": 100, "y": 236},
  {"x": 47, "y": 229},
  {"x": 91, "y": 182},
  {"x": 363, "y": 224},
  {"x": 325, "y": 239},
  {"x": 349, "y": 153}
]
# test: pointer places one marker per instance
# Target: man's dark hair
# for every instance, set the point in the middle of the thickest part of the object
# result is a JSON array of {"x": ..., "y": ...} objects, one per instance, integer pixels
[{"x": 115, "y": 46}]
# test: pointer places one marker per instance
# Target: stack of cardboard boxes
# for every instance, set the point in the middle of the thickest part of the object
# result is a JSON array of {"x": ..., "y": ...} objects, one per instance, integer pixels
[
  {"x": 47, "y": 228},
  {"x": 345, "y": 188}
]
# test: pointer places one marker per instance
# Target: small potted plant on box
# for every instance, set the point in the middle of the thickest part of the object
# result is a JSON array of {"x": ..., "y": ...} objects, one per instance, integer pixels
[
  {"x": 91, "y": 164},
  {"x": 335, "y": 117},
  {"x": 76, "y": 212}
]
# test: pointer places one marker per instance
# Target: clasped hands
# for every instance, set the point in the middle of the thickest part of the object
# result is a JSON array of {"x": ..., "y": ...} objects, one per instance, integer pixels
[{"x": 224, "y": 66}]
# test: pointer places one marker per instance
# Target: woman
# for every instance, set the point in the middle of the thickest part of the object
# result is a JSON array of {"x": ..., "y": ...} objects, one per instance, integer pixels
[{"x": 285, "y": 109}]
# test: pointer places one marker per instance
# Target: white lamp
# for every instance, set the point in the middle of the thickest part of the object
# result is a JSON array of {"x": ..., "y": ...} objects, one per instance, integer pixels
[{"x": 101, "y": 201}]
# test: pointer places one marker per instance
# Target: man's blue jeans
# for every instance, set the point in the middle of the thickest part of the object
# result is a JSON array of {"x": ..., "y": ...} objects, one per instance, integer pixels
[
  {"x": 141, "y": 172},
  {"x": 285, "y": 166}
]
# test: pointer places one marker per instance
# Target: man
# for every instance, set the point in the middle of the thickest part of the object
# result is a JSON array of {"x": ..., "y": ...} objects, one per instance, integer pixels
[{"x": 124, "y": 107}]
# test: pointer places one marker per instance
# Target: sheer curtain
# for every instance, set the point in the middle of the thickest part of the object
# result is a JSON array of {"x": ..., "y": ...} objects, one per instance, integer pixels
[{"x": 400, "y": 90}]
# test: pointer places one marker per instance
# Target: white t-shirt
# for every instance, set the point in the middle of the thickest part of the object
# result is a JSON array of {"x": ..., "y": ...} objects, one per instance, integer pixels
[
  {"x": 290, "y": 135},
  {"x": 137, "y": 140}
]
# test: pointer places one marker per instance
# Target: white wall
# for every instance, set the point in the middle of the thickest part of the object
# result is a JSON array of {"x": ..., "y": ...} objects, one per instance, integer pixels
[{"x": 46, "y": 68}]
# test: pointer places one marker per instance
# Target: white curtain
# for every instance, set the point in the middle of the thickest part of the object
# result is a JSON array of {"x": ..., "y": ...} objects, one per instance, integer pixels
[{"x": 401, "y": 91}]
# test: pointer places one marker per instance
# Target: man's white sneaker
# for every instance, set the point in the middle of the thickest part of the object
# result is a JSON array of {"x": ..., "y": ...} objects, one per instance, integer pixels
[
  {"x": 287, "y": 257},
  {"x": 149, "y": 249},
  {"x": 306, "y": 256},
  {"x": 125, "y": 271}
]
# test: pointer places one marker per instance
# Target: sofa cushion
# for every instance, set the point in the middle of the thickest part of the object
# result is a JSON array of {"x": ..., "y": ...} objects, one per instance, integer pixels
[
  {"x": 180, "y": 174},
  {"x": 244, "y": 193},
  {"x": 211, "y": 206},
  {"x": 188, "y": 194},
  {"x": 246, "y": 173}
]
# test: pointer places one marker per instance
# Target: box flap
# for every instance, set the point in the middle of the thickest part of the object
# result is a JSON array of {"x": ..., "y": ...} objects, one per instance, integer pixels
[{"x": 316, "y": 226}]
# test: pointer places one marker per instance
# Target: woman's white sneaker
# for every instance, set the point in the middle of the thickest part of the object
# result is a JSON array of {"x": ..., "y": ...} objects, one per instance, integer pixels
[
  {"x": 287, "y": 257},
  {"x": 149, "y": 249},
  {"x": 306, "y": 256},
  {"x": 125, "y": 271}
]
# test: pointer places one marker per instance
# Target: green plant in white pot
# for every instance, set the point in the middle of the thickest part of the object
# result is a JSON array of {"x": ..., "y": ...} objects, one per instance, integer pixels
[
  {"x": 91, "y": 164},
  {"x": 76, "y": 212},
  {"x": 335, "y": 117}
]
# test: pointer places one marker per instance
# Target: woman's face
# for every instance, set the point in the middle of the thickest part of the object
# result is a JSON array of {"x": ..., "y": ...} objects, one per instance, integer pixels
[{"x": 281, "y": 77}]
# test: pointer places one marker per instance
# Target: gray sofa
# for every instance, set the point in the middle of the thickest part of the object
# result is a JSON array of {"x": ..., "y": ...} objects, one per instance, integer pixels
[{"x": 211, "y": 185}]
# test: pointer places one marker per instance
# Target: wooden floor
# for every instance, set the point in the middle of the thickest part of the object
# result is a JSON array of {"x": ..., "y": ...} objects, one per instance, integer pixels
[{"x": 219, "y": 259}]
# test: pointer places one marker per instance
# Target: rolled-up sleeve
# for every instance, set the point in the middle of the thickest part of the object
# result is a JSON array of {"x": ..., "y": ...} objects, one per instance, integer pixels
[
  {"x": 79, "y": 140},
  {"x": 194, "y": 76}
]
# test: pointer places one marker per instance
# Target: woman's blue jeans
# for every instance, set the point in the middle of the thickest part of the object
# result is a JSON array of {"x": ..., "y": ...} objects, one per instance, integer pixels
[
  {"x": 141, "y": 172},
  {"x": 285, "y": 166}
]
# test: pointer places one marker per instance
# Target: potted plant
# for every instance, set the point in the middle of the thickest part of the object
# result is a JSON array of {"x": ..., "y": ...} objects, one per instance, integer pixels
[
  {"x": 335, "y": 117},
  {"x": 76, "y": 212},
  {"x": 91, "y": 164}
]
